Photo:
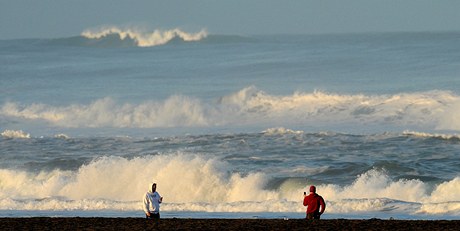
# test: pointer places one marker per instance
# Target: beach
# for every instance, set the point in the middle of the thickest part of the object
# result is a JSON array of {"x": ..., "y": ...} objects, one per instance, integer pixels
[{"x": 96, "y": 223}]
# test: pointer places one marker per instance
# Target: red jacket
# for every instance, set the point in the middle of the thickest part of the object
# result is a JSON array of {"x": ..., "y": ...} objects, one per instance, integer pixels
[{"x": 314, "y": 201}]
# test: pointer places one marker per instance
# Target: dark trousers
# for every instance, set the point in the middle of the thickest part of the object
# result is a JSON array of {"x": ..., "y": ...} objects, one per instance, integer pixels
[
  {"x": 313, "y": 216},
  {"x": 153, "y": 216}
]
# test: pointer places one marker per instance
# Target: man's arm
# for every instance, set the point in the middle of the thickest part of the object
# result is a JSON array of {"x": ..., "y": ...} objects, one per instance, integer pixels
[
  {"x": 323, "y": 205},
  {"x": 146, "y": 205},
  {"x": 305, "y": 201},
  {"x": 160, "y": 198}
]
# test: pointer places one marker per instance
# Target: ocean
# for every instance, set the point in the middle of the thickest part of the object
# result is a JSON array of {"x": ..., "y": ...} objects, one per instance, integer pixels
[{"x": 231, "y": 126}]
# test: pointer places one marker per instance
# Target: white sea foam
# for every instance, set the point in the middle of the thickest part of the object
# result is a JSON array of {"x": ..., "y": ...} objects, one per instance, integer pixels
[
  {"x": 145, "y": 38},
  {"x": 377, "y": 184},
  {"x": 175, "y": 111},
  {"x": 445, "y": 199},
  {"x": 197, "y": 183},
  {"x": 61, "y": 136},
  {"x": 251, "y": 106},
  {"x": 280, "y": 131},
  {"x": 15, "y": 134},
  {"x": 428, "y": 135}
]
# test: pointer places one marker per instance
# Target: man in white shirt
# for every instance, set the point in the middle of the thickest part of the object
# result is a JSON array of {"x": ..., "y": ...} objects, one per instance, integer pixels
[{"x": 152, "y": 201}]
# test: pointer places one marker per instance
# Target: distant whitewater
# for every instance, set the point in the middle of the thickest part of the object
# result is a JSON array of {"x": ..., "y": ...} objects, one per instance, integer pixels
[
  {"x": 116, "y": 37},
  {"x": 15, "y": 134},
  {"x": 143, "y": 38}
]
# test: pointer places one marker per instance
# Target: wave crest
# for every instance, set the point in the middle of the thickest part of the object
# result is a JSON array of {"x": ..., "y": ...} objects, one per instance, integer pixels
[
  {"x": 15, "y": 134},
  {"x": 429, "y": 135},
  {"x": 144, "y": 38},
  {"x": 280, "y": 131},
  {"x": 250, "y": 106},
  {"x": 175, "y": 111}
]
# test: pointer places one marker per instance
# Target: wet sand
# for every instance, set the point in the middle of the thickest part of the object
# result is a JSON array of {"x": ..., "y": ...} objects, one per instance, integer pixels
[{"x": 96, "y": 223}]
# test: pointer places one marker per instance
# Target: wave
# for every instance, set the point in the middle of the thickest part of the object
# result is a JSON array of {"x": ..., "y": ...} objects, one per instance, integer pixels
[
  {"x": 15, "y": 134},
  {"x": 250, "y": 106},
  {"x": 145, "y": 39},
  {"x": 280, "y": 131},
  {"x": 116, "y": 37},
  {"x": 429, "y": 135},
  {"x": 176, "y": 111},
  {"x": 19, "y": 134},
  {"x": 61, "y": 136},
  {"x": 199, "y": 183}
]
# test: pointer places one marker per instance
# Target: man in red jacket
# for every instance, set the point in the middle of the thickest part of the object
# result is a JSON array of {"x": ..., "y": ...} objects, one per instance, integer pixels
[{"x": 313, "y": 202}]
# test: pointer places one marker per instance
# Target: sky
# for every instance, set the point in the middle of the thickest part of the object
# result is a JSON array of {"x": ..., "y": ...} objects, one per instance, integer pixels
[{"x": 65, "y": 18}]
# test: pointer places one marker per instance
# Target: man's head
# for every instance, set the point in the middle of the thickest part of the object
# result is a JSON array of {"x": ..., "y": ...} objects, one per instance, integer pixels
[
  {"x": 312, "y": 189},
  {"x": 154, "y": 187}
]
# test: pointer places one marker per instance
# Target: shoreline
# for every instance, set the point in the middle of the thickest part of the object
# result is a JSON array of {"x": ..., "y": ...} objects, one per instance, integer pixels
[{"x": 103, "y": 223}]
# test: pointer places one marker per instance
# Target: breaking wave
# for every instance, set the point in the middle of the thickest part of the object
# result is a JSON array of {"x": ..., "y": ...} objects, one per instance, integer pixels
[
  {"x": 436, "y": 110},
  {"x": 144, "y": 38},
  {"x": 280, "y": 131},
  {"x": 200, "y": 183},
  {"x": 429, "y": 135},
  {"x": 15, "y": 134},
  {"x": 116, "y": 37}
]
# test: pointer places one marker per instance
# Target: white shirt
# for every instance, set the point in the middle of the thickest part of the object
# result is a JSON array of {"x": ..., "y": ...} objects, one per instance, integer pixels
[{"x": 152, "y": 202}]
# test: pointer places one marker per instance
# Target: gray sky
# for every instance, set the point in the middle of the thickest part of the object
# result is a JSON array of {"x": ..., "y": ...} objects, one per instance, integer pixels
[{"x": 64, "y": 18}]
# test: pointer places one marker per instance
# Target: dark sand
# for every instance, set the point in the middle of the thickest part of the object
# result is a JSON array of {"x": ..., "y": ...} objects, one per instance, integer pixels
[{"x": 77, "y": 223}]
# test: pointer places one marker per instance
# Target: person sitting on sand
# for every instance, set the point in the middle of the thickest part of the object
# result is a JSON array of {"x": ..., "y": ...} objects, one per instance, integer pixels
[
  {"x": 313, "y": 202},
  {"x": 152, "y": 201}
]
